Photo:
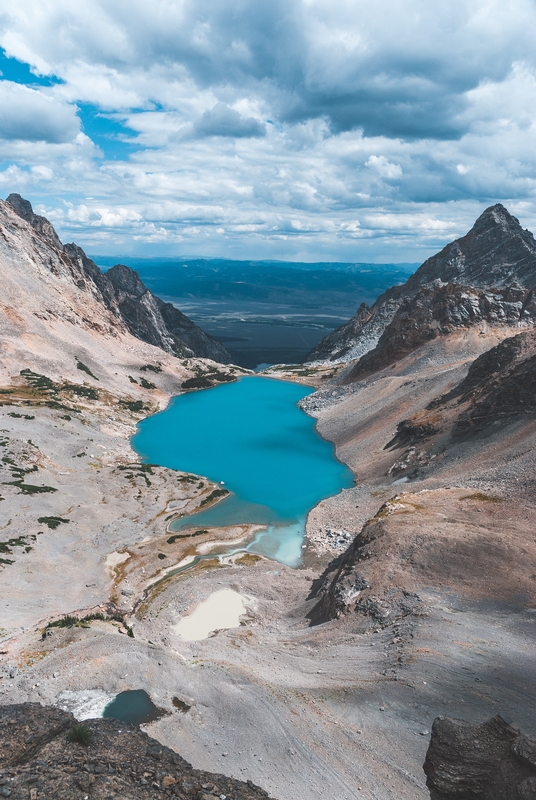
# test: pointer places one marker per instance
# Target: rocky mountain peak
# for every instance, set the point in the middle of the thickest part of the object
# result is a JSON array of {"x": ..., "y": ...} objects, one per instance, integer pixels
[
  {"x": 497, "y": 251},
  {"x": 22, "y": 207},
  {"x": 497, "y": 215},
  {"x": 119, "y": 299},
  {"x": 126, "y": 280},
  {"x": 496, "y": 254}
]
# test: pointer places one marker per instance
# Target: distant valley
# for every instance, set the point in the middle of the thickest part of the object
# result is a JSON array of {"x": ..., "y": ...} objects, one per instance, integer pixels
[{"x": 265, "y": 312}]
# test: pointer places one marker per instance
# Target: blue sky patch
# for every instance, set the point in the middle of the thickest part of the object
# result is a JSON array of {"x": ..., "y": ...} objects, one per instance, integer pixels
[{"x": 17, "y": 71}]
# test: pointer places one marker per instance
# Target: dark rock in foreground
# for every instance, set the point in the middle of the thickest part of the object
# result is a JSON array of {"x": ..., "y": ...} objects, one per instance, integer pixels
[
  {"x": 38, "y": 760},
  {"x": 492, "y": 761}
]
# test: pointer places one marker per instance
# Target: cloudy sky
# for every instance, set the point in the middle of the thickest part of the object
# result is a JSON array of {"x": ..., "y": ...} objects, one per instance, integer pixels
[{"x": 292, "y": 129}]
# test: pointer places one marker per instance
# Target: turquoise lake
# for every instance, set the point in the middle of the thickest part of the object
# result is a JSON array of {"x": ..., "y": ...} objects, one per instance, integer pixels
[{"x": 251, "y": 435}]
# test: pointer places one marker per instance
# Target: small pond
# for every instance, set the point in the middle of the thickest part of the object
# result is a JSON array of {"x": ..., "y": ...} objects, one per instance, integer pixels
[{"x": 134, "y": 706}]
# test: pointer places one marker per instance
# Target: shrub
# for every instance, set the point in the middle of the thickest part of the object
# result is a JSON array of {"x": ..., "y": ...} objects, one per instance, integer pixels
[
  {"x": 84, "y": 368},
  {"x": 197, "y": 383},
  {"x": 134, "y": 405},
  {"x": 28, "y": 488},
  {"x": 38, "y": 381},
  {"x": 81, "y": 391},
  {"x": 52, "y": 522},
  {"x": 81, "y": 734}
]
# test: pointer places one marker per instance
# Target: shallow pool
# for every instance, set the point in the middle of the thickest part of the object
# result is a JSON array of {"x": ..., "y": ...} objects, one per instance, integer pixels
[
  {"x": 133, "y": 706},
  {"x": 251, "y": 436}
]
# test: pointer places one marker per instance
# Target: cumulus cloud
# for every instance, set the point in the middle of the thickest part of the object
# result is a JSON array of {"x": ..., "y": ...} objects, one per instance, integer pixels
[
  {"x": 384, "y": 168},
  {"x": 32, "y": 116},
  {"x": 408, "y": 77},
  {"x": 224, "y": 121},
  {"x": 298, "y": 121}
]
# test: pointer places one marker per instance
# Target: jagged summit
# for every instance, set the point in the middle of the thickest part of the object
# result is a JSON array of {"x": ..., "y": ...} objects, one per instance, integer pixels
[
  {"x": 22, "y": 207},
  {"x": 126, "y": 280},
  {"x": 496, "y": 253}
]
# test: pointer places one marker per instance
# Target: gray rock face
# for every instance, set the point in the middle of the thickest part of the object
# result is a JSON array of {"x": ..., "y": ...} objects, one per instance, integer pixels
[
  {"x": 41, "y": 224},
  {"x": 492, "y": 761},
  {"x": 154, "y": 321},
  {"x": 497, "y": 252},
  {"x": 439, "y": 310},
  {"x": 124, "y": 294},
  {"x": 360, "y": 334}
]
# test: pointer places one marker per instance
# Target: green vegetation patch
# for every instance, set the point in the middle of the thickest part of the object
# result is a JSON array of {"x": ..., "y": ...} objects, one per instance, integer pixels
[
  {"x": 61, "y": 407},
  {"x": 28, "y": 488},
  {"x": 162, "y": 555},
  {"x": 37, "y": 381},
  {"x": 188, "y": 479},
  {"x": 81, "y": 391},
  {"x": 151, "y": 368},
  {"x": 70, "y": 621},
  {"x": 20, "y": 416},
  {"x": 18, "y": 541},
  {"x": 197, "y": 383},
  {"x": 52, "y": 522},
  {"x": 140, "y": 469},
  {"x": 177, "y": 536},
  {"x": 85, "y": 368},
  {"x": 147, "y": 384},
  {"x": 135, "y": 405},
  {"x": 80, "y": 734},
  {"x": 484, "y": 498},
  {"x": 204, "y": 380},
  {"x": 214, "y": 496}
]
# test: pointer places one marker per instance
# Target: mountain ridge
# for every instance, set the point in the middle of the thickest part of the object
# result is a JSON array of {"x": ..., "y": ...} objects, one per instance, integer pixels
[
  {"x": 147, "y": 317},
  {"x": 497, "y": 252}
]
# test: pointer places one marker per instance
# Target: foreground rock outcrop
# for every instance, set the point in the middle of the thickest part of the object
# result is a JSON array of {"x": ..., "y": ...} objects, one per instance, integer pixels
[
  {"x": 497, "y": 252},
  {"x": 445, "y": 540},
  {"x": 38, "y": 759},
  {"x": 491, "y": 761}
]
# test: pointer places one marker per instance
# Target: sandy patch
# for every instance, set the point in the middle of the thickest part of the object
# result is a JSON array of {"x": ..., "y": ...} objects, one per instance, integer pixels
[
  {"x": 221, "y": 610},
  {"x": 114, "y": 560}
]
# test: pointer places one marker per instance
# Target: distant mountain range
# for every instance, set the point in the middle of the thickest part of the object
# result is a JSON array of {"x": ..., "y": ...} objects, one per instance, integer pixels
[{"x": 321, "y": 285}]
